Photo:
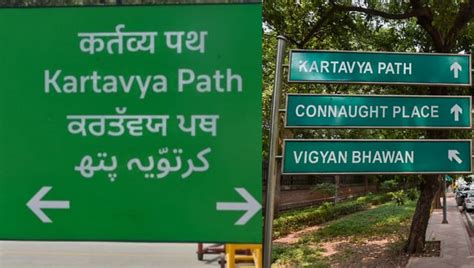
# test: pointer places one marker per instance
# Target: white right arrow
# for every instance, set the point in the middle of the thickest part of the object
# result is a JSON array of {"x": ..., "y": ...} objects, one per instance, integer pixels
[
  {"x": 456, "y": 68},
  {"x": 251, "y": 206},
  {"x": 37, "y": 205},
  {"x": 453, "y": 155},
  {"x": 456, "y": 110}
]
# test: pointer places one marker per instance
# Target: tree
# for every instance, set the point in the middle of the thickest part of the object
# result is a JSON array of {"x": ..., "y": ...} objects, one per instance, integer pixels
[{"x": 416, "y": 25}]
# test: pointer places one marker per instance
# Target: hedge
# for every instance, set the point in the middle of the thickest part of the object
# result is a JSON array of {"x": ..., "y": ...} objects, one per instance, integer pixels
[{"x": 297, "y": 220}]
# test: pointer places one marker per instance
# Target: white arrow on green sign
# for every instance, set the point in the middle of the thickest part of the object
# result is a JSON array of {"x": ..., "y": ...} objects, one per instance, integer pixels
[
  {"x": 380, "y": 68},
  {"x": 251, "y": 206},
  {"x": 37, "y": 204},
  {"x": 376, "y": 156},
  {"x": 380, "y": 111}
]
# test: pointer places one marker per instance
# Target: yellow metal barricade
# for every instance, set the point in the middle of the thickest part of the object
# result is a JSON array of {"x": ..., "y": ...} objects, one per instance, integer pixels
[{"x": 232, "y": 257}]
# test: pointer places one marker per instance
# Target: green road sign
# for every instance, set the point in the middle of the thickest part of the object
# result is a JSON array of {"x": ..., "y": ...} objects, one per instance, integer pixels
[
  {"x": 376, "y": 156},
  {"x": 376, "y": 111},
  {"x": 126, "y": 123},
  {"x": 379, "y": 68}
]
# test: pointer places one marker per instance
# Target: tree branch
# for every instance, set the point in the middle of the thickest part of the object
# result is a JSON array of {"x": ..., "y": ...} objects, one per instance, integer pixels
[
  {"x": 378, "y": 13},
  {"x": 316, "y": 27},
  {"x": 292, "y": 40},
  {"x": 423, "y": 15},
  {"x": 465, "y": 14},
  {"x": 374, "y": 12},
  {"x": 425, "y": 20}
]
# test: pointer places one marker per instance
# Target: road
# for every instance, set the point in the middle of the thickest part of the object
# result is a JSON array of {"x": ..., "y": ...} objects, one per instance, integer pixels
[{"x": 101, "y": 254}]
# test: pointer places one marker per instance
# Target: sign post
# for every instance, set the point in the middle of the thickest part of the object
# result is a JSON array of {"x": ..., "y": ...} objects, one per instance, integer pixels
[
  {"x": 310, "y": 66},
  {"x": 273, "y": 151},
  {"x": 126, "y": 124}
]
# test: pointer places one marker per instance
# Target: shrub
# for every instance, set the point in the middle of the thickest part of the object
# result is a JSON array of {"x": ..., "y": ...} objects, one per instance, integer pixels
[
  {"x": 294, "y": 221},
  {"x": 389, "y": 185},
  {"x": 398, "y": 197},
  {"x": 412, "y": 194},
  {"x": 325, "y": 188}
]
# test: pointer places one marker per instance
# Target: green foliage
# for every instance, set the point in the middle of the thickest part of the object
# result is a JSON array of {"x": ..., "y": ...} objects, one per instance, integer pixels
[
  {"x": 378, "y": 199},
  {"x": 326, "y": 205},
  {"x": 389, "y": 185},
  {"x": 300, "y": 219},
  {"x": 299, "y": 256},
  {"x": 287, "y": 224},
  {"x": 398, "y": 197},
  {"x": 325, "y": 188},
  {"x": 365, "y": 198},
  {"x": 315, "y": 25},
  {"x": 412, "y": 194},
  {"x": 374, "y": 199}
]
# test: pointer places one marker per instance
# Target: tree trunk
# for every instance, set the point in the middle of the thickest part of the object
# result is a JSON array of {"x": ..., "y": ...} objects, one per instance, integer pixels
[
  {"x": 428, "y": 190},
  {"x": 416, "y": 240}
]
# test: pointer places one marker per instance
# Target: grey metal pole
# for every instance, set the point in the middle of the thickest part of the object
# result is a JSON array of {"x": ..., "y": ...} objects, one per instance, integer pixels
[
  {"x": 445, "y": 219},
  {"x": 271, "y": 180}
]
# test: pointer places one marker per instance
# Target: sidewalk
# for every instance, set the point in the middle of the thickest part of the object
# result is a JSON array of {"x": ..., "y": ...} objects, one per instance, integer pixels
[
  {"x": 456, "y": 248},
  {"x": 36, "y": 254}
]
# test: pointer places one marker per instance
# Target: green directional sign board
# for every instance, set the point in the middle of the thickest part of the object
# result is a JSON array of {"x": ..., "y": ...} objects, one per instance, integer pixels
[
  {"x": 314, "y": 66},
  {"x": 376, "y": 156},
  {"x": 359, "y": 111},
  {"x": 127, "y": 123}
]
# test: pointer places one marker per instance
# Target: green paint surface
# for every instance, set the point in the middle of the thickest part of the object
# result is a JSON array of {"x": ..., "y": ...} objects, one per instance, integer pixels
[
  {"x": 122, "y": 202},
  {"x": 378, "y": 111},
  {"x": 376, "y": 156},
  {"x": 379, "y": 68}
]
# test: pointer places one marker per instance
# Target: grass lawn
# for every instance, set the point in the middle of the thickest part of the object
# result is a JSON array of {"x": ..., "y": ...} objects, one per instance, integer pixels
[{"x": 373, "y": 237}]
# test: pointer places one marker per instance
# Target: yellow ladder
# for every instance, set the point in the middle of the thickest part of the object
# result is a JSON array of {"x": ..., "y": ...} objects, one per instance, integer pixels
[{"x": 231, "y": 257}]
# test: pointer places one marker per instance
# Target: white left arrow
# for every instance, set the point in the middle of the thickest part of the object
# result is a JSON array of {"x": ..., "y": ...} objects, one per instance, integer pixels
[
  {"x": 455, "y": 68},
  {"x": 251, "y": 206},
  {"x": 37, "y": 205},
  {"x": 456, "y": 110},
  {"x": 453, "y": 155}
]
